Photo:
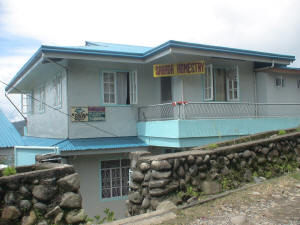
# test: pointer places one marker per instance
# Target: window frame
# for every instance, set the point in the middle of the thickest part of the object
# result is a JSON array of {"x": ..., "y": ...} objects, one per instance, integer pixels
[
  {"x": 115, "y": 87},
  {"x": 279, "y": 78},
  {"x": 237, "y": 89},
  {"x": 133, "y": 87},
  {"x": 121, "y": 179},
  {"x": 57, "y": 83},
  {"x": 211, "y": 87},
  {"x": 27, "y": 97},
  {"x": 42, "y": 99}
]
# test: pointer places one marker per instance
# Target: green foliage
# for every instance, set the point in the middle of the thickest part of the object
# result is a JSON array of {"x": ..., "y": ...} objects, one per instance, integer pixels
[
  {"x": 281, "y": 132},
  {"x": 213, "y": 146},
  {"x": 9, "y": 171},
  {"x": 191, "y": 192},
  {"x": 255, "y": 174},
  {"x": 109, "y": 217}
]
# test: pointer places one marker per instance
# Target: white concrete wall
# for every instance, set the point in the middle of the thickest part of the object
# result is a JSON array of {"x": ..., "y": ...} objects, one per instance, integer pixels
[
  {"x": 90, "y": 185},
  {"x": 268, "y": 93},
  {"x": 49, "y": 123},
  {"x": 84, "y": 89},
  {"x": 193, "y": 85}
]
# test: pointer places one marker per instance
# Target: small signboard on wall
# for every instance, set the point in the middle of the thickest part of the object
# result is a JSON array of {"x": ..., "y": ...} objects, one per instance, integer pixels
[{"x": 87, "y": 114}]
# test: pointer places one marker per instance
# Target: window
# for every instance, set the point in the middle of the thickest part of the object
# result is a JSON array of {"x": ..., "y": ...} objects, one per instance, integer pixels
[
  {"x": 26, "y": 103},
  {"x": 42, "y": 99},
  {"x": 279, "y": 82},
  {"x": 233, "y": 84},
  {"x": 298, "y": 83},
  {"x": 57, "y": 83},
  {"x": 114, "y": 178},
  {"x": 119, "y": 88},
  {"x": 208, "y": 84}
]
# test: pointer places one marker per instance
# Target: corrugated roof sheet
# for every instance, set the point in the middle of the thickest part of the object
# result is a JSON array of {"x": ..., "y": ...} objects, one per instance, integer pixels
[
  {"x": 9, "y": 136},
  {"x": 100, "y": 143},
  {"x": 37, "y": 141},
  {"x": 102, "y": 46}
]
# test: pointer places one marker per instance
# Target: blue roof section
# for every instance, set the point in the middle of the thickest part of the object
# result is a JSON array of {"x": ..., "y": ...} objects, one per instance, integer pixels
[
  {"x": 9, "y": 136},
  {"x": 102, "y": 46},
  {"x": 37, "y": 141},
  {"x": 138, "y": 52},
  {"x": 100, "y": 143}
]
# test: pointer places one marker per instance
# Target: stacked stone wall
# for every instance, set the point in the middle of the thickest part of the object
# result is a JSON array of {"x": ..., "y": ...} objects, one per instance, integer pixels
[
  {"x": 41, "y": 194},
  {"x": 157, "y": 178}
]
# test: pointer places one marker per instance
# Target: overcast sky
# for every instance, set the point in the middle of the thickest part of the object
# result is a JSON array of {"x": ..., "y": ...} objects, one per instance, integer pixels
[{"x": 263, "y": 25}]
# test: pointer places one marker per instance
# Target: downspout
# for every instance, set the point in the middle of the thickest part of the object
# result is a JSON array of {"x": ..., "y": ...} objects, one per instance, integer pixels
[{"x": 255, "y": 93}]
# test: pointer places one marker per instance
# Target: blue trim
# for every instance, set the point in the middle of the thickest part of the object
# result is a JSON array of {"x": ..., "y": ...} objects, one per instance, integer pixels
[
  {"x": 136, "y": 54},
  {"x": 100, "y": 181}
]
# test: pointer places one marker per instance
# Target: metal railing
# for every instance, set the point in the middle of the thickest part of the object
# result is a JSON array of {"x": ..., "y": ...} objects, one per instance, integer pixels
[{"x": 203, "y": 110}]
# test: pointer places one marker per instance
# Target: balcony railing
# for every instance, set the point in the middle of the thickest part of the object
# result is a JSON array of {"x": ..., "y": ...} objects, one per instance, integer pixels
[{"x": 205, "y": 110}]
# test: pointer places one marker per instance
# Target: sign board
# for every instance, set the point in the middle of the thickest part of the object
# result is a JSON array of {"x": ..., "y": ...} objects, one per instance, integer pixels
[
  {"x": 190, "y": 68},
  {"x": 87, "y": 114}
]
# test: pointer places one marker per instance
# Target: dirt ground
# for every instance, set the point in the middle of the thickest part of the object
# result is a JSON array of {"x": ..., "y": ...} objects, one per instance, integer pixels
[{"x": 276, "y": 201}]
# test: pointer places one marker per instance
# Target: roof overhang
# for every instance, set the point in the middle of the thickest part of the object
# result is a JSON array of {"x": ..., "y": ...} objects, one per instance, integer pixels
[
  {"x": 154, "y": 54},
  {"x": 295, "y": 71}
]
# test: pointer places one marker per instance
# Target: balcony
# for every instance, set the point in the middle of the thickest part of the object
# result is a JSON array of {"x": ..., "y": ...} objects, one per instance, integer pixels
[
  {"x": 216, "y": 110},
  {"x": 190, "y": 124}
]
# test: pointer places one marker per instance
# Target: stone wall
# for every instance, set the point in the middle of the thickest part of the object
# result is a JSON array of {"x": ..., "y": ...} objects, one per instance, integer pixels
[
  {"x": 41, "y": 194},
  {"x": 182, "y": 176}
]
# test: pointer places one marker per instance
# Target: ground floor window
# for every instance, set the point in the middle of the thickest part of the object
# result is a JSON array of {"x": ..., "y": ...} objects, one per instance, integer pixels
[{"x": 114, "y": 178}]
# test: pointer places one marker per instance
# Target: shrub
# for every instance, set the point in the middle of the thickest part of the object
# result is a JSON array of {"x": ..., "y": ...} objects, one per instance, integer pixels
[
  {"x": 212, "y": 146},
  {"x": 9, "y": 171},
  {"x": 281, "y": 132}
]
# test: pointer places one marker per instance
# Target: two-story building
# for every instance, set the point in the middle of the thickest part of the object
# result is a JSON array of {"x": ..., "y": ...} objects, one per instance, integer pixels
[{"x": 99, "y": 102}]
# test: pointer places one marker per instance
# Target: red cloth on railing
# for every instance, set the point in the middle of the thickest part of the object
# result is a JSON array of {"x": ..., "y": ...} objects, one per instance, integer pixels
[{"x": 179, "y": 103}]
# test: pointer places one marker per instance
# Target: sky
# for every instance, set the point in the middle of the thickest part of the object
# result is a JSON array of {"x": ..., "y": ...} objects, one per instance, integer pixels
[{"x": 261, "y": 25}]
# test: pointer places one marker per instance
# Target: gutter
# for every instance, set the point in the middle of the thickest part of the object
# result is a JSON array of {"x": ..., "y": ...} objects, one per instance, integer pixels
[{"x": 265, "y": 68}]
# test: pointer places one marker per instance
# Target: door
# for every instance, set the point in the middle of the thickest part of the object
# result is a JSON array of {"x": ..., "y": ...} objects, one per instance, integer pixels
[{"x": 166, "y": 89}]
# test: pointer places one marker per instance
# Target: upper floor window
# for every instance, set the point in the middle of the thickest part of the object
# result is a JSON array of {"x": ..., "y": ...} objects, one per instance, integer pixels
[
  {"x": 209, "y": 83},
  {"x": 26, "y": 103},
  {"x": 119, "y": 87},
  {"x": 42, "y": 99},
  {"x": 279, "y": 82},
  {"x": 233, "y": 84},
  {"x": 221, "y": 84},
  {"x": 57, "y": 83}
]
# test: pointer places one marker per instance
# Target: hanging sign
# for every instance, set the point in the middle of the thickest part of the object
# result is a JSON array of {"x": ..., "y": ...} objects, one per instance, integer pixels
[
  {"x": 87, "y": 114},
  {"x": 190, "y": 68}
]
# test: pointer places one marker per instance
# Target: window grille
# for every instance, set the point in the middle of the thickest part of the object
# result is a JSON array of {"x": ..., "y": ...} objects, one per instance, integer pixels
[{"x": 115, "y": 178}]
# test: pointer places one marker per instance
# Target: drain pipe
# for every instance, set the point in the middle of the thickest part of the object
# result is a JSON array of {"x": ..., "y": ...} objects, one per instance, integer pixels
[{"x": 16, "y": 107}]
